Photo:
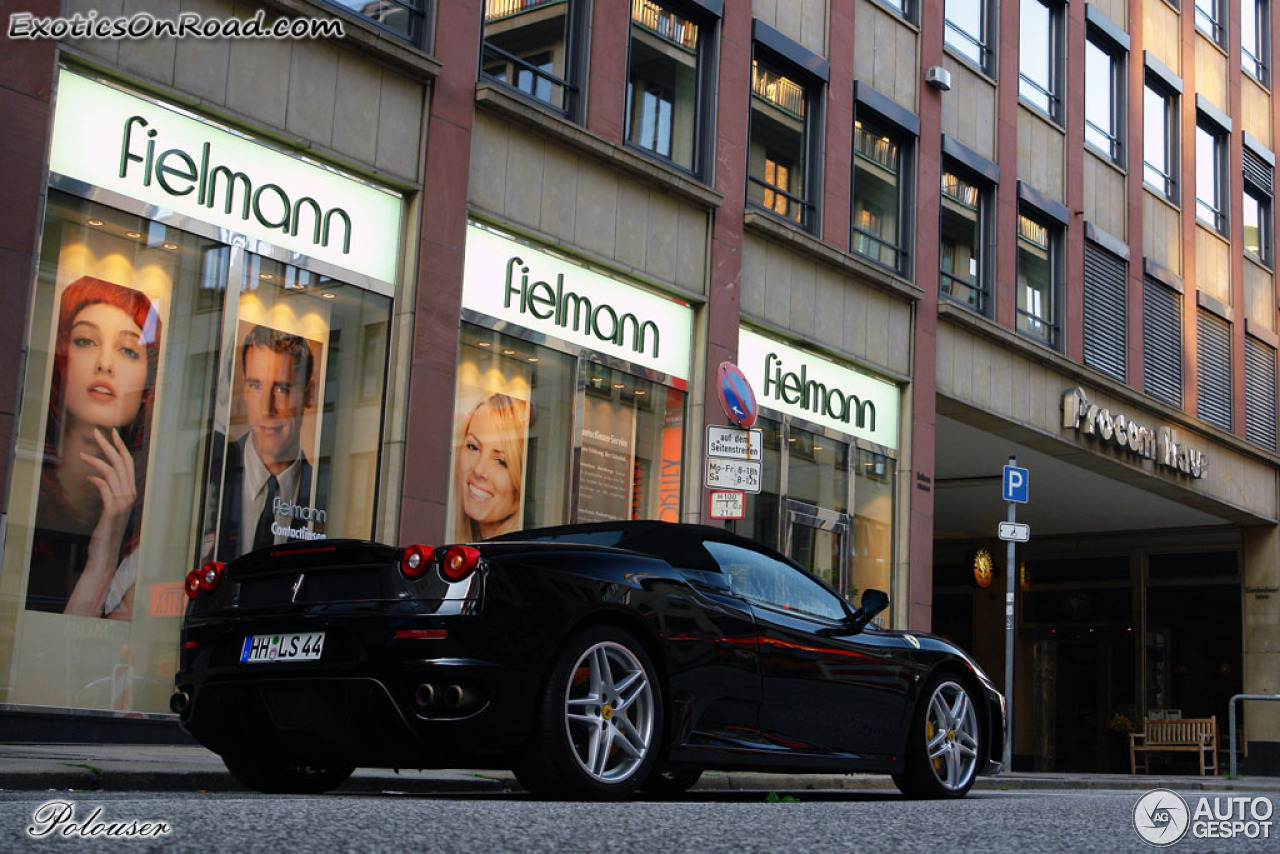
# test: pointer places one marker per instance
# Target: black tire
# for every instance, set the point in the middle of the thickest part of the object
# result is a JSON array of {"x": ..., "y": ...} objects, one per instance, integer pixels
[
  {"x": 945, "y": 743},
  {"x": 665, "y": 783},
  {"x": 281, "y": 776},
  {"x": 564, "y": 758}
]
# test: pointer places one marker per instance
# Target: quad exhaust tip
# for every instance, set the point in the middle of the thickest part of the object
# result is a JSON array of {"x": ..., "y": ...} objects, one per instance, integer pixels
[{"x": 180, "y": 702}]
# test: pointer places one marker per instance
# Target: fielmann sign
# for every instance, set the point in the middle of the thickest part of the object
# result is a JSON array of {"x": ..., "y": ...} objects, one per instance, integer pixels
[
  {"x": 513, "y": 281},
  {"x": 158, "y": 155}
]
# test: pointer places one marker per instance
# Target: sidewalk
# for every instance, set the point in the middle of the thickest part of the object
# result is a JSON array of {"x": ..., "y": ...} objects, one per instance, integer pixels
[{"x": 168, "y": 768}]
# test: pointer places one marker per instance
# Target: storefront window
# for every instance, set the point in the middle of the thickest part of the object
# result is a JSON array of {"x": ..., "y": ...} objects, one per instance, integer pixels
[
  {"x": 873, "y": 487},
  {"x": 160, "y": 363},
  {"x": 762, "y": 510},
  {"x": 543, "y": 438}
]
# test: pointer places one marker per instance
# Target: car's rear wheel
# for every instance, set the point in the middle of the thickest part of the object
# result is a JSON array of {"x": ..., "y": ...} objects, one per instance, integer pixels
[
  {"x": 277, "y": 775},
  {"x": 599, "y": 719},
  {"x": 667, "y": 783},
  {"x": 944, "y": 746}
]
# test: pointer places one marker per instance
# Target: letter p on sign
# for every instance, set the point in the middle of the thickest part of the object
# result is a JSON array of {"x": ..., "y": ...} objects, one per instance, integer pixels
[{"x": 1016, "y": 484}]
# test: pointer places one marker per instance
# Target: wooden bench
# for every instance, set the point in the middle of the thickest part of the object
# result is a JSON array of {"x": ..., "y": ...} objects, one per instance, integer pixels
[{"x": 1199, "y": 735}]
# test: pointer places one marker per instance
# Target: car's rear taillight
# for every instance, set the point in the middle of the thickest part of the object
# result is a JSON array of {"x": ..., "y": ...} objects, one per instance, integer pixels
[
  {"x": 210, "y": 575},
  {"x": 415, "y": 560},
  {"x": 192, "y": 584},
  {"x": 459, "y": 562}
]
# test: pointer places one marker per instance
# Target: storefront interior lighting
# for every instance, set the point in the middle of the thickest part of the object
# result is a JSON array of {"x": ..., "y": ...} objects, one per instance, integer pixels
[
  {"x": 619, "y": 385},
  {"x": 508, "y": 352},
  {"x": 532, "y": 359},
  {"x": 640, "y": 392},
  {"x": 266, "y": 277},
  {"x": 96, "y": 222},
  {"x": 328, "y": 295},
  {"x": 172, "y": 247},
  {"x": 483, "y": 344},
  {"x": 134, "y": 234}
]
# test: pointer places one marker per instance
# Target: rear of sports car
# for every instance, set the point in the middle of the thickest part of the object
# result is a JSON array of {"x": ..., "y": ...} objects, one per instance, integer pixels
[{"x": 340, "y": 653}]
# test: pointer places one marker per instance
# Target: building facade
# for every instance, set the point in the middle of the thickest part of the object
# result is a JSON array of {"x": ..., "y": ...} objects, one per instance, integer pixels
[{"x": 474, "y": 266}]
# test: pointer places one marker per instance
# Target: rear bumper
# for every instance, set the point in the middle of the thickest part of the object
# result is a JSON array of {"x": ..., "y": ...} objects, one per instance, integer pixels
[{"x": 364, "y": 702}]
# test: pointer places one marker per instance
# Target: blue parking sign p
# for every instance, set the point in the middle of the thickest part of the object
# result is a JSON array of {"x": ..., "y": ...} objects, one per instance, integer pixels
[{"x": 1016, "y": 484}]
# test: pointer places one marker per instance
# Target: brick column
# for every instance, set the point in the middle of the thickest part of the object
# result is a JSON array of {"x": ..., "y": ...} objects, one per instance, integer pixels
[
  {"x": 439, "y": 278},
  {"x": 27, "y": 73},
  {"x": 724, "y": 287}
]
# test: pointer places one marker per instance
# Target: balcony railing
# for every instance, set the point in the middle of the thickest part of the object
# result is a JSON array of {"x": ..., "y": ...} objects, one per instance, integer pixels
[
  {"x": 777, "y": 90},
  {"x": 495, "y": 9},
  {"x": 664, "y": 23}
]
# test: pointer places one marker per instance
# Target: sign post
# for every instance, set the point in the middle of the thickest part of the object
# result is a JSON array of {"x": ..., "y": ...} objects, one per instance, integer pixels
[{"x": 1015, "y": 486}]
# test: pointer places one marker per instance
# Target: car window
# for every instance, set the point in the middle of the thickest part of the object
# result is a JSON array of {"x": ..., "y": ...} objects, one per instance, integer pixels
[{"x": 760, "y": 578}]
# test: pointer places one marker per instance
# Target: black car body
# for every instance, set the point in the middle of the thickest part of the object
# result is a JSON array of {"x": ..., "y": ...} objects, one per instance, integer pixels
[{"x": 746, "y": 662}]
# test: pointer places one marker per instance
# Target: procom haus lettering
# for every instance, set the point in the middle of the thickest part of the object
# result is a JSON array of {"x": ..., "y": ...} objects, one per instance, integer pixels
[
  {"x": 1160, "y": 445},
  {"x": 799, "y": 390},
  {"x": 177, "y": 173},
  {"x": 568, "y": 309}
]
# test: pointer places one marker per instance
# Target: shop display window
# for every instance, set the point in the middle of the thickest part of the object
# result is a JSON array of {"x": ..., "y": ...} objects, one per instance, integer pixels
[
  {"x": 542, "y": 437},
  {"x": 165, "y": 372}
]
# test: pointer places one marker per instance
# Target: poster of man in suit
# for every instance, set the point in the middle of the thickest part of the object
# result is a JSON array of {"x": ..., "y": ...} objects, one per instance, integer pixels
[{"x": 268, "y": 476}]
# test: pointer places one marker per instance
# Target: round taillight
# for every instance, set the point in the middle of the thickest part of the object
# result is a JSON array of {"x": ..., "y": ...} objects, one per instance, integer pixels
[
  {"x": 459, "y": 562},
  {"x": 192, "y": 584},
  {"x": 210, "y": 575},
  {"x": 415, "y": 560}
]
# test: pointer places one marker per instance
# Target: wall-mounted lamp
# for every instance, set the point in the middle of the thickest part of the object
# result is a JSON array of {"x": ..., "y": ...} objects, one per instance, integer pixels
[{"x": 938, "y": 77}]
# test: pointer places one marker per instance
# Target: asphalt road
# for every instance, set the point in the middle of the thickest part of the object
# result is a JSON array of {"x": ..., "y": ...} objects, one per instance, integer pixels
[{"x": 706, "y": 822}]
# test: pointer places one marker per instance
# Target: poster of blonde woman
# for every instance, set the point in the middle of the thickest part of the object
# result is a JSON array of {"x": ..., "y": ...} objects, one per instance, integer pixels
[{"x": 491, "y": 437}]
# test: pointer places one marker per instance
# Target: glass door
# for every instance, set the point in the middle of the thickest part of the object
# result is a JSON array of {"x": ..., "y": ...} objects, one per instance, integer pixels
[{"x": 818, "y": 539}]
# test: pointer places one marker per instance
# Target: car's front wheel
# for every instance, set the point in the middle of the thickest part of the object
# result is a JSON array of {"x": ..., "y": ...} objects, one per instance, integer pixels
[
  {"x": 283, "y": 776},
  {"x": 599, "y": 719},
  {"x": 944, "y": 746}
]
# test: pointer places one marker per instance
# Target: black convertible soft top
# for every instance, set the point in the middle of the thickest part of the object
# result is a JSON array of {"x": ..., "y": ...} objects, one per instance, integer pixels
[{"x": 677, "y": 544}]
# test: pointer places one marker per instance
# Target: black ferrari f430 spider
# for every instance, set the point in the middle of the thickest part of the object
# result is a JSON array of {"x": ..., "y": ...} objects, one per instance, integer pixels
[{"x": 594, "y": 661}]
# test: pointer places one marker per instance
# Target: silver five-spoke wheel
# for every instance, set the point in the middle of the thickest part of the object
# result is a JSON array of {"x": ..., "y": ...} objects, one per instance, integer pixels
[
  {"x": 951, "y": 732},
  {"x": 609, "y": 712}
]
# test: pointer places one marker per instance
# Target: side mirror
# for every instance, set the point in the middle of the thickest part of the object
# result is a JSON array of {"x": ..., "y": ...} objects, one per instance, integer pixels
[{"x": 873, "y": 602}]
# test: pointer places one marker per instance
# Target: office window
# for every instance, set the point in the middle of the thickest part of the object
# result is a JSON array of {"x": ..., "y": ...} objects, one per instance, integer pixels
[
  {"x": 1159, "y": 147},
  {"x": 964, "y": 270},
  {"x": 1162, "y": 342},
  {"x": 1040, "y": 55},
  {"x": 1106, "y": 303},
  {"x": 1258, "y": 182},
  {"x": 530, "y": 45},
  {"x": 664, "y": 83},
  {"x": 1213, "y": 355},
  {"x": 1259, "y": 393},
  {"x": 778, "y": 173},
  {"x": 1211, "y": 176},
  {"x": 966, "y": 31},
  {"x": 904, "y": 8},
  {"x": 1038, "y": 279},
  {"x": 1255, "y": 23},
  {"x": 405, "y": 18},
  {"x": 1210, "y": 20},
  {"x": 1104, "y": 98},
  {"x": 878, "y": 229}
]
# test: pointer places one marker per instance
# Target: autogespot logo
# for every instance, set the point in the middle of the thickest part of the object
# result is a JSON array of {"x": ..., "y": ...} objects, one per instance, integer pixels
[{"x": 1161, "y": 817}]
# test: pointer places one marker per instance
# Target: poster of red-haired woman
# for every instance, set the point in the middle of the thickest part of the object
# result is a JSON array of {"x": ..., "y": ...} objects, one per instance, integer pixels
[{"x": 97, "y": 435}]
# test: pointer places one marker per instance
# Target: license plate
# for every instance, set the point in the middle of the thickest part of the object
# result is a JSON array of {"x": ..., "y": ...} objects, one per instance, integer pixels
[{"x": 305, "y": 646}]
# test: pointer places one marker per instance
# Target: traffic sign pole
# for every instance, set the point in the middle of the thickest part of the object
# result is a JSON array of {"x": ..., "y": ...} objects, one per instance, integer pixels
[{"x": 1010, "y": 572}]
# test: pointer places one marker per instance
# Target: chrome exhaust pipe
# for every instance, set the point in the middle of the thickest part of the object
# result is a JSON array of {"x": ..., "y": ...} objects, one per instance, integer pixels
[
  {"x": 457, "y": 697},
  {"x": 424, "y": 695},
  {"x": 180, "y": 702}
]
